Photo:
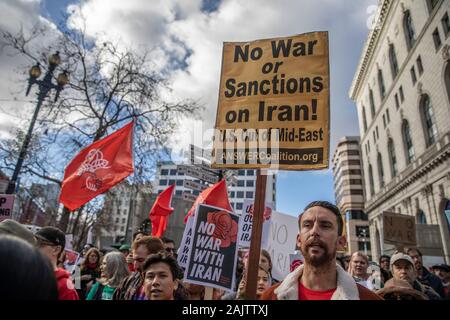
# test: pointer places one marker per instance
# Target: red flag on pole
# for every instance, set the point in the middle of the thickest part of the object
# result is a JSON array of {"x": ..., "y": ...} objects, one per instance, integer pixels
[
  {"x": 216, "y": 195},
  {"x": 159, "y": 214},
  {"x": 98, "y": 168}
]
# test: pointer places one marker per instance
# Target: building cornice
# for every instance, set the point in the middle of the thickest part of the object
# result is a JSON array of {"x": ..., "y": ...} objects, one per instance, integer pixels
[{"x": 369, "y": 47}]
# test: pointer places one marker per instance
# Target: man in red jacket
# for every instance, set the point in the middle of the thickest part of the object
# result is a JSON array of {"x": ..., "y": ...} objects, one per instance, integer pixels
[
  {"x": 51, "y": 241},
  {"x": 319, "y": 278}
]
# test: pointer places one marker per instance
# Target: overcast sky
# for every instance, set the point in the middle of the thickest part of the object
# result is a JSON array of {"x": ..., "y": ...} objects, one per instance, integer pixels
[{"x": 186, "y": 37}]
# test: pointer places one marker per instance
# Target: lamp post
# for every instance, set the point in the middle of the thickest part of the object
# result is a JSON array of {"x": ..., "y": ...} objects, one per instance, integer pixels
[
  {"x": 45, "y": 85},
  {"x": 363, "y": 236}
]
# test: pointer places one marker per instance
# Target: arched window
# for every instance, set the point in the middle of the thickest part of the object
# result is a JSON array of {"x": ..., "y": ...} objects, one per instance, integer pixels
[
  {"x": 381, "y": 84},
  {"x": 380, "y": 170},
  {"x": 408, "y": 29},
  {"x": 426, "y": 111},
  {"x": 393, "y": 61},
  {"x": 371, "y": 184},
  {"x": 392, "y": 157},
  {"x": 409, "y": 149},
  {"x": 421, "y": 219},
  {"x": 447, "y": 80},
  {"x": 372, "y": 104},
  {"x": 364, "y": 118}
]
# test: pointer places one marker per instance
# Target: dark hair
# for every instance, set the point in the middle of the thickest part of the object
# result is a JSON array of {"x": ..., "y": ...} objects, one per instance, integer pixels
[
  {"x": 163, "y": 257},
  {"x": 326, "y": 205},
  {"x": 152, "y": 244},
  {"x": 384, "y": 256},
  {"x": 167, "y": 240},
  {"x": 26, "y": 274},
  {"x": 414, "y": 249},
  {"x": 84, "y": 264}
]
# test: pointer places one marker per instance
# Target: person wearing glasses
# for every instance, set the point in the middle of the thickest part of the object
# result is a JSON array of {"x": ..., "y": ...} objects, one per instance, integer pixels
[
  {"x": 132, "y": 287},
  {"x": 169, "y": 246},
  {"x": 51, "y": 242}
]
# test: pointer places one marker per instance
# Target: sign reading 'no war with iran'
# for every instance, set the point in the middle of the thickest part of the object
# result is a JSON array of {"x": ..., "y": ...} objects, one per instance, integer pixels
[{"x": 273, "y": 109}]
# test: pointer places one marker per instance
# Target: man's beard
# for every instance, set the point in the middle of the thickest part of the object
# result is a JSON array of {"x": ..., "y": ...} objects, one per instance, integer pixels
[{"x": 317, "y": 260}]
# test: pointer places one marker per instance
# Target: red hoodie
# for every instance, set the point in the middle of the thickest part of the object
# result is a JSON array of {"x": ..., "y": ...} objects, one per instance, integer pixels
[{"x": 66, "y": 289}]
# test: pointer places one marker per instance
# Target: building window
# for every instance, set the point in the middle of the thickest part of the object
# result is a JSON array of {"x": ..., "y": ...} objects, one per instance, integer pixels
[
  {"x": 436, "y": 39},
  {"x": 431, "y": 4},
  {"x": 239, "y": 206},
  {"x": 374, "y": 137},
  {"x": 384, "y": 121},
  {"x": 250, "y": 183},
  {"x": 122, "y": 229},
  {"x": 171, "y": 182},
  {"x": 397, "y": 103},
  {"x": 124, "y": 220},
  {"x": 402, "y": 96},
  {"x": 196, "y": 192},
  {"x": 428, "y": 120},
  {"x": 180, "y": 173},
  {"x": 381, "y": 84},
  {"x": 387, "y": 115},
  {"x": 363, "y": 246},
  {"x": 445, "y": 24},
  {"x": 413, "y": 75},
  {"x": 240, "y": 194},
  {"x": 447, "y": 80},
  {"x": 371, "y": 184},
  {"x": 249, "y": 195},
  {"x": 117, "y": 220},
  {"x": 232, "y": 194},
  {"x": 421, "y": 219},
  {"x": 162, "y": 182},
  {"x": 372, "y": 104},
  {"x": 393, "y": 61},
  {"x": 178, "y": 192},
  {"x": 380, "y": 170},
  {"x": 362, "y": 231},
  {"x": 408, "y": 29},
  {"x": 376, "y": 129},
  {"x": 241, "y": 173},
  {"x": 406, "y": 133},
  {"x": 164, "y": 172},
  {"x": 364, "y": 119},
  {"x": 250, "y": 172},
  {"x": 179, "y": 182},
  {"x": 392, "y": 157},
  {"x": 241, "y": 183},
  {"x": 419, "y": 65}
]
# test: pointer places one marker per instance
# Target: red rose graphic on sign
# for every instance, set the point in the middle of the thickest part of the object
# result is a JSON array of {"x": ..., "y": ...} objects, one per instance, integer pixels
[{"x": 226, "y": 228}]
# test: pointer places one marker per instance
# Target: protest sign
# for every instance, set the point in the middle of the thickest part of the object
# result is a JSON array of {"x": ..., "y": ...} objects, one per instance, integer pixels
[
  {"x": 282, "y": 239},
  {"x": 71, "y": 260},
  {"x": 6, "y": 206},
  {"x": 273, "y": 106},
  {"x": 213, "y": 252},
  {"x": 246, "y": 222},
  {"x": 399, "y": 229},
  {"x": 183, "y": 250}
]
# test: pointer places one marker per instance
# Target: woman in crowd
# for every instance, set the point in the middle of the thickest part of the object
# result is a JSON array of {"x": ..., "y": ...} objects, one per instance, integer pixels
[
  {"x": 113, "y": 270},
  {"x": 89, "y": 271}
]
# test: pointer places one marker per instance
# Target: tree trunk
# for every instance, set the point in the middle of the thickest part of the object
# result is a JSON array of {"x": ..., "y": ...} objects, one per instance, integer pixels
[{"x": 64, "y": 222}]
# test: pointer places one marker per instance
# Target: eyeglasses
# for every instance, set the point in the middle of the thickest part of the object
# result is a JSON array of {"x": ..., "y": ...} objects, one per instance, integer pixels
[{"x": 139, "y": 259}]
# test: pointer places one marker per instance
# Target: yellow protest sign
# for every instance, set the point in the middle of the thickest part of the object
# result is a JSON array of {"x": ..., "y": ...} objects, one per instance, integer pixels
[{"x": 273, "y": 109}]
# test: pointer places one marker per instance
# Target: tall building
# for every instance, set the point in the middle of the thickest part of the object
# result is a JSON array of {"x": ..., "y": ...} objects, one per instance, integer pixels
[
  {"x": 167, "y": 174},
  {"x": 348, "y": 188},
  {"x": 402, "y": 93}
]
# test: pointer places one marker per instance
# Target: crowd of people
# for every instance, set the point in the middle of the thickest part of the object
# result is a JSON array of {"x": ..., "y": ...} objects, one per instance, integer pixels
[{"x": 33, "y": 268}]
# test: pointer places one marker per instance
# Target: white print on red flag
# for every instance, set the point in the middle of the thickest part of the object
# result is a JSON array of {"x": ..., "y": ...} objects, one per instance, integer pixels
[
  {"x": 93, "y": 161},
  {"x": 247, "y": 222},
  {"x": 213, "y": 252}
]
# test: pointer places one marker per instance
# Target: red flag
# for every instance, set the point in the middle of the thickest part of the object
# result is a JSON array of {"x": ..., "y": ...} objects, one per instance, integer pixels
[
  {"x": 159, "y": 214},
  {"x": 98, "y": 168},
  {"x": 216, "y": 195}
]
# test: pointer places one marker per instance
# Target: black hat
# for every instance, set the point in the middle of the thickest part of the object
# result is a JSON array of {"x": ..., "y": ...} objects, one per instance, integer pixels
[
  {"x": 444, "y": 267},
  {"x": 52, "y": 235}
]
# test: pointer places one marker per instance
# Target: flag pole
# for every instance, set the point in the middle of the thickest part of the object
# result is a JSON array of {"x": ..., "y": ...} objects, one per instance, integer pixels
[{"x": 255, "y": 245}]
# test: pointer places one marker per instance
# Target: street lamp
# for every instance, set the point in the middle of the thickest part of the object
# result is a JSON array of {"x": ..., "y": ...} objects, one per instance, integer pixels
[
  {"x": 45, "y": 86},
  {"x": 363, "y": 235}
]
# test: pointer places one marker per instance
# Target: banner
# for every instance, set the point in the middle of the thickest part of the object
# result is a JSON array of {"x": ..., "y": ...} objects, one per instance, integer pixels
[
  {"x": 399, "y": 229},
  {"x": 246, "y": 223},
  {"x": 274, "y": 104},
  {"x": 71, "y": 261},
  {"x": 213, "y": 252},
  {"x": 282, "y": 239},
  {"x": 183, "y": 250},
  {"x": 6, "y": 206}
]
